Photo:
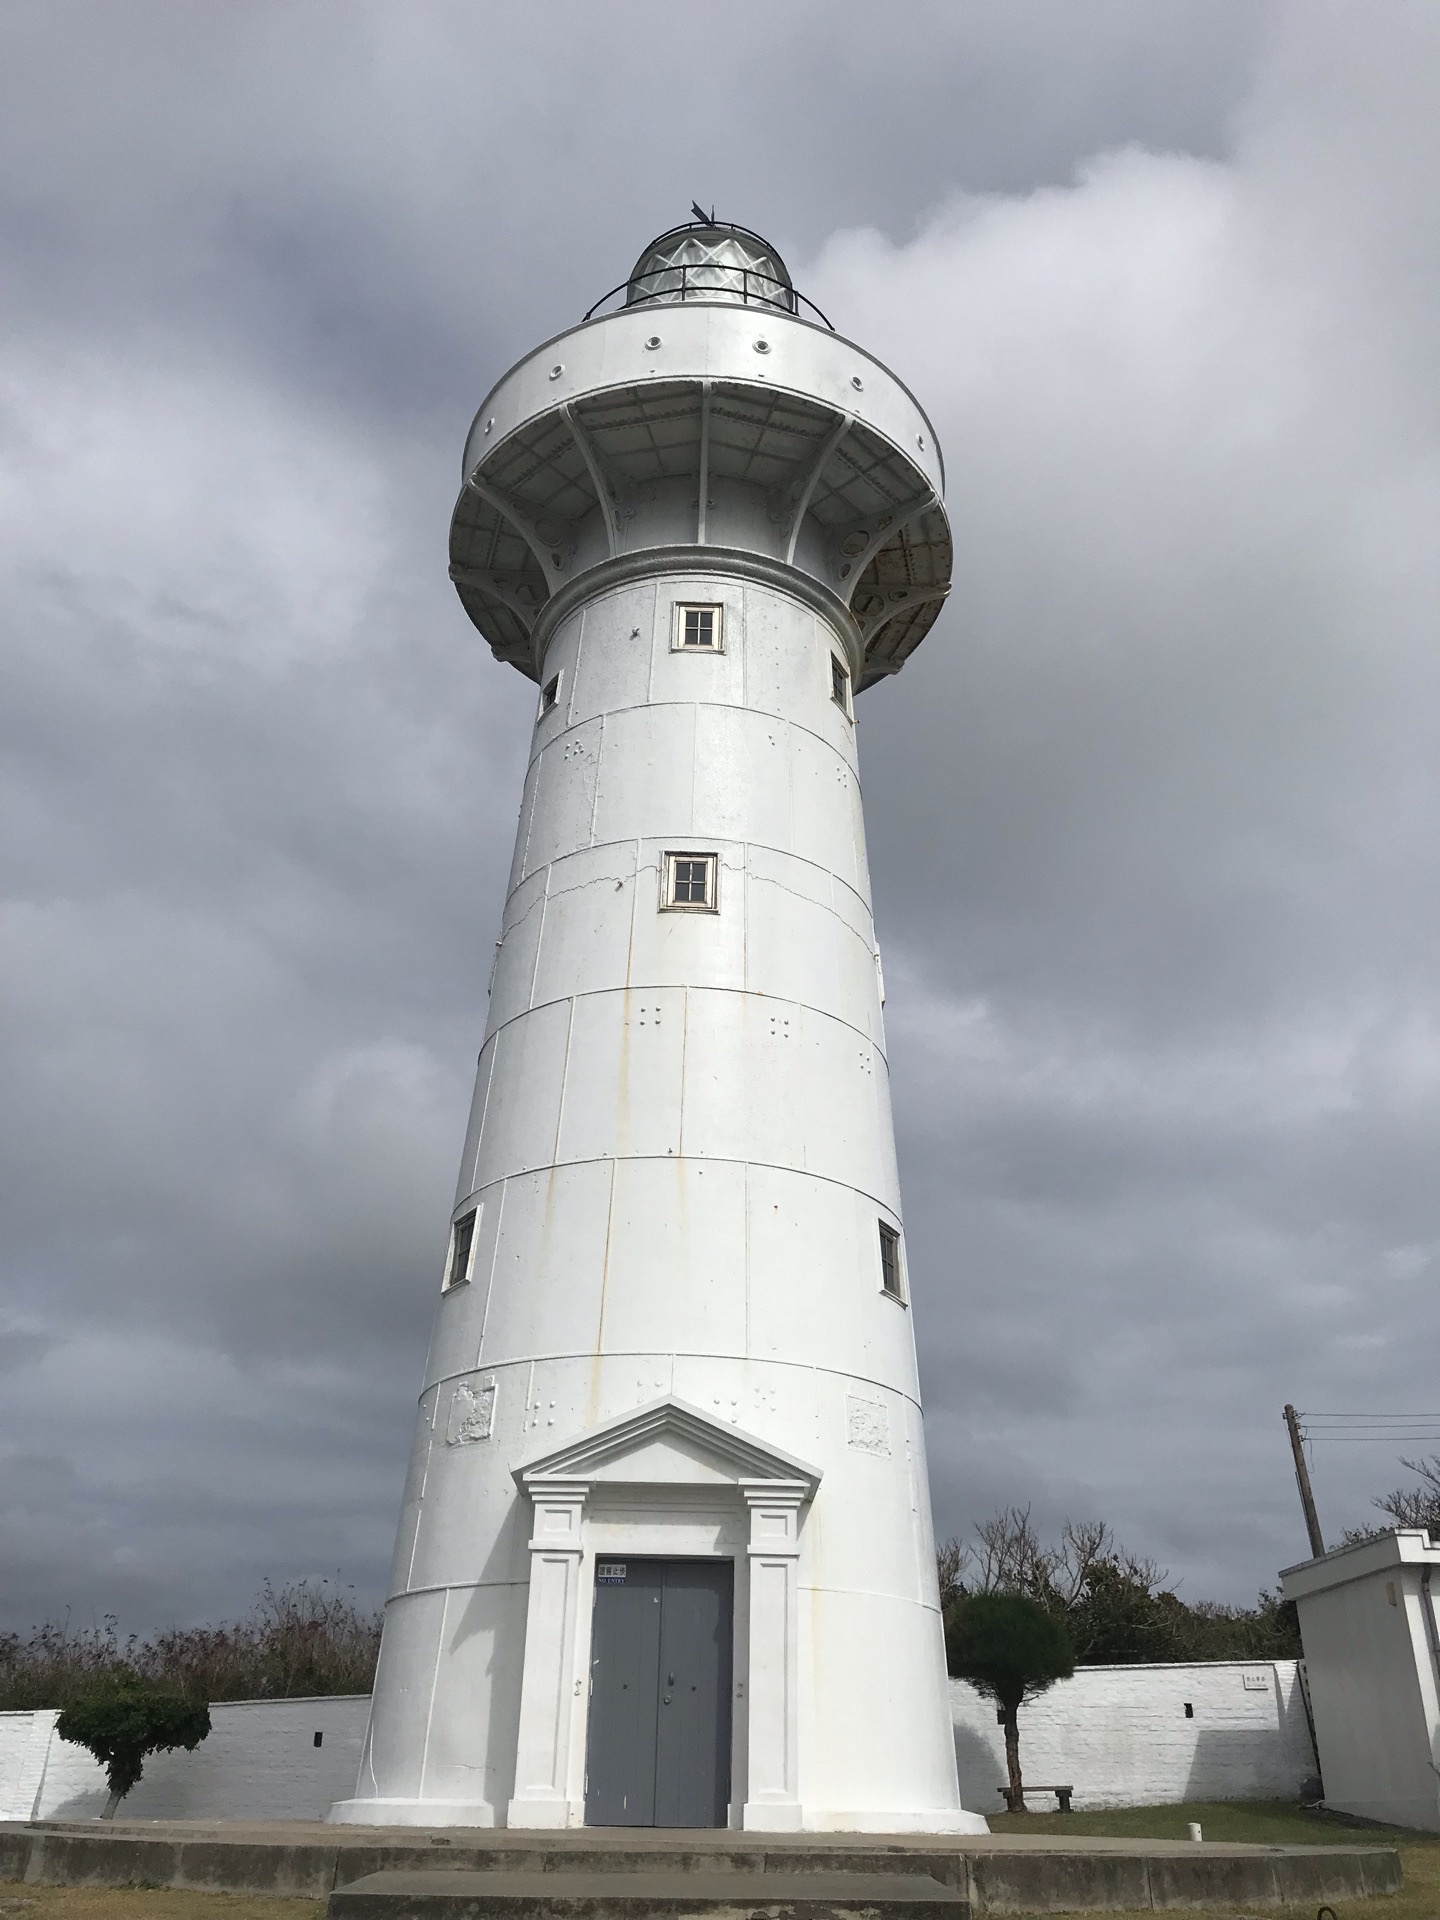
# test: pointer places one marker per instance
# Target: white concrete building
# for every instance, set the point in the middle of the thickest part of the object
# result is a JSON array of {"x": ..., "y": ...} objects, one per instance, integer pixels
[
  {"x": 1372, "y": 1659},
  {"x": 666, "y": 1553}
]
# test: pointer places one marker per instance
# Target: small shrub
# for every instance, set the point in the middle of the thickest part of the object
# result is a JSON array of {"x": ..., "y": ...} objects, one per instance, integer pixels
[
  {"x": 1009, "y": 1649},
  {"x": 122, "y": 1719}
]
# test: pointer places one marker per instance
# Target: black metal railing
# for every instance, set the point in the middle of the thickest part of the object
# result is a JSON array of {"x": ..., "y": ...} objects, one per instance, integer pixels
[{"x": 710, "y": 280}]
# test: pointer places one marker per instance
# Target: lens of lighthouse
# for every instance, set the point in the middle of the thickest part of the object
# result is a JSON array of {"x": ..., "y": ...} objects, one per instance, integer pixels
[{"x": 710, "y": 263}]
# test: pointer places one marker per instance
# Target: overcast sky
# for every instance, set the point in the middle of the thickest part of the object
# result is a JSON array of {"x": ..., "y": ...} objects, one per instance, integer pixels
[{"x": 1153, "y": 813}]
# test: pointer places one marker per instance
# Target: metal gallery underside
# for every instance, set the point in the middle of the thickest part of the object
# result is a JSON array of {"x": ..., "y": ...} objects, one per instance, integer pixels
[{"x": 571, "y": 488}]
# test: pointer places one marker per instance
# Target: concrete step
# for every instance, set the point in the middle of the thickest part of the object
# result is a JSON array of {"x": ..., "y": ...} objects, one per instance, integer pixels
[
  {"x": 980, "y": 1875},
  {"x": 608, "y": 1895}
]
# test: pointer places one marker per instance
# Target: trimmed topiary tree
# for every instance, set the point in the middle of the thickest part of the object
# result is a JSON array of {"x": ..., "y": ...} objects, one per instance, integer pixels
[
  {"x": 122, "y": 1719},
  {"x": 1009, "y": 1649}
]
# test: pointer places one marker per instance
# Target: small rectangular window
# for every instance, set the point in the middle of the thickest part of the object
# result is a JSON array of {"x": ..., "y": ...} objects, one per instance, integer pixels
[
  {"x": 319, "y": 1739},
  {"x": 890, "y": 1262},
  {"x": 689, "y": 881},
  {"x": 462, "y": 1247},
  {"x": 549, "y": 693},
  {"x": 697, "y": 629},
  {"x": 840, "y": 684}
]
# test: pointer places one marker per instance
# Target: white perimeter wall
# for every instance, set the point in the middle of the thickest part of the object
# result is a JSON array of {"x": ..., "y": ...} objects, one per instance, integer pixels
[
  {"x": 1119, "y": 1735},
  {"x": 259, "y": 1763}
]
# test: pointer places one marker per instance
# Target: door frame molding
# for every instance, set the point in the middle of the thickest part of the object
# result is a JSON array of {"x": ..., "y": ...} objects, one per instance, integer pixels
[{"x": 665, "y": 1481}]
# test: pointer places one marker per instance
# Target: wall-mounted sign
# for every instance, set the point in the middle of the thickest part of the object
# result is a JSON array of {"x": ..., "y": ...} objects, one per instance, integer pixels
[{"x": 610, "y": 1573}]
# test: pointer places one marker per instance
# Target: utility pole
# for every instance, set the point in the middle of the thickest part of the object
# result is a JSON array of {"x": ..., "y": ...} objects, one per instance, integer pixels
[{"x": 1302, "y": 1480}]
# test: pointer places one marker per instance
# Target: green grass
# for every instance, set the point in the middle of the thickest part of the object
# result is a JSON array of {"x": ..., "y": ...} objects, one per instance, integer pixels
[
  {"x": 1265, "y": 1823},
  {"x": 19, "y": 1901}
]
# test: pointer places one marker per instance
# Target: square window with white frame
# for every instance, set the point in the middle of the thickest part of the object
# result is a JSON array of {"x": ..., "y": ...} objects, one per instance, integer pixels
[
  {"x": 891, "y": 1280},
  {"x": 689, "y": 882},
  {"x": 549, "y": 694},
  {"x": 698, "y": 628},
  {"x": 462, "y": 1249},
  {"x": 840, "y": 684}
]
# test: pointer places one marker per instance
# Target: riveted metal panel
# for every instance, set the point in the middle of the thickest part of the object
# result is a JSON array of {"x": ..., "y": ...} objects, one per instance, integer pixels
[
  {"x": 409, "y": 1651},
  {"x": 518, "y": 867},
  {"x": 523, "y": 1109},
  {"x": 786, "y": 648},
  {"x": 623, "y": 1080},
  {"x": 549, "y": 1264},
  {"x": 799, "y": 948},
  {"x": 829, "y": 825},
  {"x": 569, "y": 770},
  {"x": 589, "y": 904},
  {"x": 514, "y": 961},
  {"x": 465, "y": 1182},
  {"x": 614, "y": 653},
  {"x": 677, "y": 1254},
  {"x": 741, "y": 782},
  {"x": 648, "y": 752}
]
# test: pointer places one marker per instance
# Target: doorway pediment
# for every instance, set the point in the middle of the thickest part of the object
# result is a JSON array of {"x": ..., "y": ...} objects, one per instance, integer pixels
[{"x": 667, "y": 1443}]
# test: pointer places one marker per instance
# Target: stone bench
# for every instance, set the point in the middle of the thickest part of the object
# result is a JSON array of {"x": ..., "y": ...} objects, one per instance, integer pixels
[{"x": 1062, "y": 1794}]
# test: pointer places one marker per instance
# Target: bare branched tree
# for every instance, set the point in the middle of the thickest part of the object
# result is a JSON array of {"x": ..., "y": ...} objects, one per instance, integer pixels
[
  {"x": 1115, "y": 1605},
  {"x": 1011, "y": 1558},
  {"x": 1405, "y": 1506},
  {"x": 951, "y": 1560},
  {"x": 1416, "y": 1506}
]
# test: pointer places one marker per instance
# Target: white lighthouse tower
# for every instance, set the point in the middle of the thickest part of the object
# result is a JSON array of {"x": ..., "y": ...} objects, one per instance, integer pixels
[{"x": 666, "y": 1554}]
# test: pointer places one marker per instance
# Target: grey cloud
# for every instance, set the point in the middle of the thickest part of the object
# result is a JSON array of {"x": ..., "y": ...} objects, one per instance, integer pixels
[{"x": 1151, "y": 813}]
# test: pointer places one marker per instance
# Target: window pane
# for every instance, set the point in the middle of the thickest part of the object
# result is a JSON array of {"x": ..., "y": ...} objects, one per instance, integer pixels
[
  {"x": 690, "y": 879},
  {"x": 889, "y": 1259},
  {"x": 699, "y": 628},
  {"x": 839, "y": 682},
  {"x": 462, "y": 1236}
]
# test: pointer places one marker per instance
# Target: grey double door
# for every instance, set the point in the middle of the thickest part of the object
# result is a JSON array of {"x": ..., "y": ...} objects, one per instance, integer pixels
[{"x": 657, "y": 1752}]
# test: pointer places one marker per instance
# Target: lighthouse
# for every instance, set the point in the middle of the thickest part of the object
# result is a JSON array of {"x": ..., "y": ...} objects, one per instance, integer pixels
[{"x": 666, "y": 1556}]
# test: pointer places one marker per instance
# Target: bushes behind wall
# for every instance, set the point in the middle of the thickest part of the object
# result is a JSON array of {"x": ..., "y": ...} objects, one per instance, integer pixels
[
  {"x": 299, "y": 1640},
  {"x": 1117, "y": 1608}
]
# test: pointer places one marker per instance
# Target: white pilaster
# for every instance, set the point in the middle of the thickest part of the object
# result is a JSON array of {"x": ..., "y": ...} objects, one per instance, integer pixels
[
  {"x": 548, "y": 1684},
  {"x": 773, "y": 1802}
]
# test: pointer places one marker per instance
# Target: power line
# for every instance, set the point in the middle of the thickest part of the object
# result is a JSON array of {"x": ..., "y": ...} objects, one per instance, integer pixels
[{"x": 1372, "y": 1429}]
